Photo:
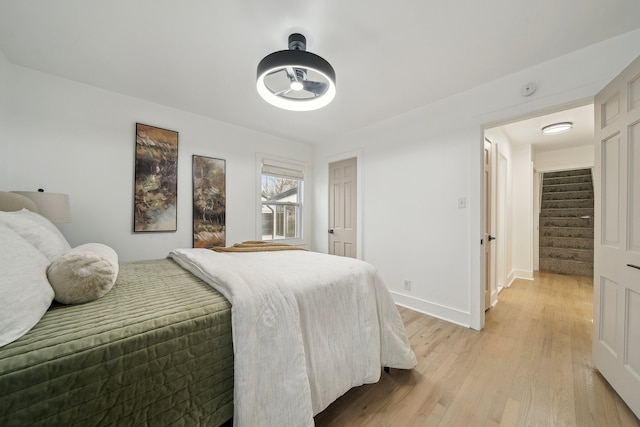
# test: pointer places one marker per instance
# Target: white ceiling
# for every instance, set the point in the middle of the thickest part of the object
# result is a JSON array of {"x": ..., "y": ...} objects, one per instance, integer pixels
[
  {"x": 390, "y": 56},
  {"x": 529, "y": 131}
]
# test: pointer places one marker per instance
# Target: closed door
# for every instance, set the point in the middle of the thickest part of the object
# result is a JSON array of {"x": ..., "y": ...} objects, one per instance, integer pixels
[
  {"x": 343, "y": 208},
  {"x": 616, "y": 314}
]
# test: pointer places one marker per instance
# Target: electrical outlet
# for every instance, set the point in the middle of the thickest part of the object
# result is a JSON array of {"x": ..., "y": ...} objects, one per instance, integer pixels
[{"x": 407, "y": 285}]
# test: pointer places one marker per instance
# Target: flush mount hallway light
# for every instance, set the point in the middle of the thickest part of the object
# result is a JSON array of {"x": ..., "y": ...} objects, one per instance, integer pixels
[
  {"x": 295, "y": 79},
  {"x": 556, "y": 128}
]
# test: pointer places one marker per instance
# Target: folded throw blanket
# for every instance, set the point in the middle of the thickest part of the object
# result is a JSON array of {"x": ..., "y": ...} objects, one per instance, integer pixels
[{"x": 259, "y": 246}]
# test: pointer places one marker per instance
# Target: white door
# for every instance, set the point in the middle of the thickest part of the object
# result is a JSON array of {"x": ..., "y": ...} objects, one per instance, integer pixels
[
  {"x": 616, "y": 314},
  {"x": 343, "y": 208},
  {"x": 488, "y": 219}
]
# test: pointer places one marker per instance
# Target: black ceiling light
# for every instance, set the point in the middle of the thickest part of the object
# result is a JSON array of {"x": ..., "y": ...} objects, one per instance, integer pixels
[{"x": 295, "y": 79}]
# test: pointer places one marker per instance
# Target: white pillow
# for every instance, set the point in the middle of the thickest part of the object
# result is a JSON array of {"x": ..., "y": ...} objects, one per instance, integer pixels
[
  {"x": 25, "y": 293},
  {"x": 84, "y": 273},
  {"x": 38, "y": 231}
]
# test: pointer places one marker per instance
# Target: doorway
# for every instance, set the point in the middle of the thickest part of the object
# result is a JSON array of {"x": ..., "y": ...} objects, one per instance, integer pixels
[
  {"x": 566, "y": 222},
  {"x": 522, "y": 153}
]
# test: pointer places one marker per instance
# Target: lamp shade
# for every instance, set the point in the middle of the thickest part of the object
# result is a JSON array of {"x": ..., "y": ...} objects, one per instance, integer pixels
[{"x": 53, "y": 206}]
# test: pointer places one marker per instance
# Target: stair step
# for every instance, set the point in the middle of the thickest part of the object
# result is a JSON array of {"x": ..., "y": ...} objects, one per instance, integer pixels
[
  {"x": 555, "y": 188},
  {"x": 567, "y": 179},
  {"x": 576, "y": 232},
  {"x": 583, "y": 255},
  {"x": 566, "y": 267},
  {"x": 566, "y": 242},
  {"x": 562, "y": 204},
  {"x": 572, "y": 172},
  {"x": 568, "y": 195},
  {"x": 566, "y": 212},
  {"x": 576, "y": 222}
]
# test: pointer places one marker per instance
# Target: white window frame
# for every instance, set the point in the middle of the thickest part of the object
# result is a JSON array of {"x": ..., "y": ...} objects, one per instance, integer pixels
[{"x": 286, "y": 168}]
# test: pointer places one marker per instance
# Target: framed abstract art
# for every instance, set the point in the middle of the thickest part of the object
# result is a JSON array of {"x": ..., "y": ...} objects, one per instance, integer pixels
[
  {"x": 156, "y": 179},
  {"x": 209, "y": 202}
]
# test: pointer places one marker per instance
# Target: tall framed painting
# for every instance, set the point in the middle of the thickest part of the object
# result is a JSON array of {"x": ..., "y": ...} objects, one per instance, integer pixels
[
  {"x": 156, "y": 179},
  {"x": 209, "y": 202}
]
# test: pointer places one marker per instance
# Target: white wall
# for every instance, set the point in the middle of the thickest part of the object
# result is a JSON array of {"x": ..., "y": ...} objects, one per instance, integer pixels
[
  {"x": 415, "y": 166},
  {"x": 414, "y": 212},
  {"x": 4, "y": 133},
  {"x": 569, "y": 158},
  {"x": 72, "y": 138},
  {"x": 504, "y": 202},
  {"x": 522, "y": 212}
]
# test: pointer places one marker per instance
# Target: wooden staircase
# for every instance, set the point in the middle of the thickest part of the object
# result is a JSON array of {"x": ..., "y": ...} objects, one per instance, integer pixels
[{"x": 566, "y": 222}]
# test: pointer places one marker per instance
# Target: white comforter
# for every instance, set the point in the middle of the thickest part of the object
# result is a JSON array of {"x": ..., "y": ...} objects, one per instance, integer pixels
[{"x": 307, "y": 327}]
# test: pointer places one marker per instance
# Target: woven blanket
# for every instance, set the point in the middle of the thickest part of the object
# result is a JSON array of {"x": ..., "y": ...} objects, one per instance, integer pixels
[{"x": 259, "y": 246}]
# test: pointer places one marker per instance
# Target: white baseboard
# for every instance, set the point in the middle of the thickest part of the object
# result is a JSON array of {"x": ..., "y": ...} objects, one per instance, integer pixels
[
  {"x": 435, "y": 310},
  {"x": 510, "y": 278},
  {"x": 494, "y": 298},
  {"x": 519, "y": 274}
]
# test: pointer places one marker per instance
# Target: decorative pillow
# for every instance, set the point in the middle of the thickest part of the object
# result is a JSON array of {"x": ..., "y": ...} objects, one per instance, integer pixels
[
  {"x": 25, "y": 293},
  {"x": 84, "y": 273},
  {"x": 38, "y": 231}
]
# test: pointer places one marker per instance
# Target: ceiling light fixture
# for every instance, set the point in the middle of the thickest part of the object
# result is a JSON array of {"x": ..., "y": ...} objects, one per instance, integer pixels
[
  {"x": 295, "y": 79},
  {"x": 557, "y": 128}
]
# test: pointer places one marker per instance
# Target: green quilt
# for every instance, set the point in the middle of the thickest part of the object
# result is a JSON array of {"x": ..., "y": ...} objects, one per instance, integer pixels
[{"x": 156, "y": 350}]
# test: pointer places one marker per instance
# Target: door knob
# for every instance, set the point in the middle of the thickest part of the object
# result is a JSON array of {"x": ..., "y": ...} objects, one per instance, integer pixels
[
  {"x": 331, "y": 231},
  {"x": 491, "y": 237}
]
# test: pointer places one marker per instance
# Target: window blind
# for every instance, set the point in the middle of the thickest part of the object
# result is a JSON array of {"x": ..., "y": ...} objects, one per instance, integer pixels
[{"x": 273, "y": 168}]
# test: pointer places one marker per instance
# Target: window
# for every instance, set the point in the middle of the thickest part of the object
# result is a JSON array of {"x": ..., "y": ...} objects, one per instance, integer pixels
[{"x": 281, "y": 188}]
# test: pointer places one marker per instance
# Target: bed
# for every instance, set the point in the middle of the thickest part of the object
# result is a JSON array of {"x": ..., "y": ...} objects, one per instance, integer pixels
[
  {"x": 155, "y": 350},
  {"x": 199, "y": 338}
]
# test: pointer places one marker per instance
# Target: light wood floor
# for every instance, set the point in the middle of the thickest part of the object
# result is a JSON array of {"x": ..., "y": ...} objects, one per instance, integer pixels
[{"x": 530, "y": 366}]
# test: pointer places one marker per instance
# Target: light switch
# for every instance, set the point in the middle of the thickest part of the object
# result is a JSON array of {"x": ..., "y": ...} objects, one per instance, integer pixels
[{"x": 462, "y": 202}]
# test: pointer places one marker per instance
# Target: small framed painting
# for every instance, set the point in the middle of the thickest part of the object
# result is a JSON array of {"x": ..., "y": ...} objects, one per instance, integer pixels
[
  {"x": 209, "y": 202},
  {"x": 156, "y": 179}
]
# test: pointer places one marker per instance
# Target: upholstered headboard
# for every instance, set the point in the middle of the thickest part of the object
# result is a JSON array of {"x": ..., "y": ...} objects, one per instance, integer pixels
[{"x": 10, "y": 202}]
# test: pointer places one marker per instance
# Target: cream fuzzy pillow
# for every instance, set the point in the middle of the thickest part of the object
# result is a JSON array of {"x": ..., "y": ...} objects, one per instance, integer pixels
[{"x": 84, "y": 273}]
